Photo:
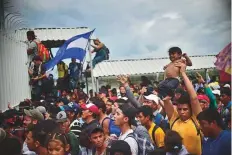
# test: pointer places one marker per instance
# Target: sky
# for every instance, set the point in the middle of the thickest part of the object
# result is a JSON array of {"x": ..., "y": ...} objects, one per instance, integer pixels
[{"x": 139, "y": 28}]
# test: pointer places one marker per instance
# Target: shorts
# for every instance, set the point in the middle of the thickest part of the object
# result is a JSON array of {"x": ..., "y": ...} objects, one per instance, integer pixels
[{"x": 167, "y": 87}]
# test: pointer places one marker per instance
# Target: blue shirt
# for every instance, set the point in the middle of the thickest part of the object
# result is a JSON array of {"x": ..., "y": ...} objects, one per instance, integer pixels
[
  {"x": 219, "y": 146},
  {"x": 74, "y": 69}
]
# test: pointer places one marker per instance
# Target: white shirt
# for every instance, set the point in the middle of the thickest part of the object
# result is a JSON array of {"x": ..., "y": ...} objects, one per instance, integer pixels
[
  {"x": 26, "y": 151},
  {"x": 131, "y": 141}
]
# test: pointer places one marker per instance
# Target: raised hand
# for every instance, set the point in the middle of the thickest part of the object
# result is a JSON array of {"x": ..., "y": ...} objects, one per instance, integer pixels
[
  {"x": 181, "y": 65},
  {"x": 200, "y": 79}
]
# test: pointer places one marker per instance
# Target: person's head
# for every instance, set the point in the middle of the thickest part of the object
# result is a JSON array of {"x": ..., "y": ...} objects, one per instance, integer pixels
[
  {"x": 101, "y": 106},
  {"x": 217, "y": 95},
  {"x": 89, "y": 111},
  {"x": 109, "y": 104},
  {"x": 145, "y": 115},
  {"x": 30, "y": 35},
  {"x": 72, "y": 109},
  {"x": 63, "y": 121},
  {"x": 210, "y": 120},
  {"x": 37, "y": 134},
  {"x": 178, "y": 93},
  {"x": 172, "y": 141},
  {"x": 10, "y": 146},
  {"x": 73, "y": 60},
  {"x": 204, "y": 101},
  {"x": 32, "y": 116},
  {"x": 122, "y": 90},
  {"x": 58, "y": 144},
  {"x": 96, "y": 41},
  {"x": 184, "y": 107},
  {"x": 102, "y": 94},
  {"x": 119, "y": 147},
  {"x": 64, "y": 93},
  {"x": 151, "y": 101},
  {"x": 42, "y": 110},
  {"x": 96, "y": 136},
  {"x": 26, "y": 121},
  {"x": 175, "y": 53},
  {"x": 225, "y": 95},
  {"x": 125, "y": 115},
  {"x": 37, "y": 60}
]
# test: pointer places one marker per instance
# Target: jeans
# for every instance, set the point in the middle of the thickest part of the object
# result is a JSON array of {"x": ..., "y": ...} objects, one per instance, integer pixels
[
  {"x": 167, "y": 87},
  {"x": 98, "y": 59}
]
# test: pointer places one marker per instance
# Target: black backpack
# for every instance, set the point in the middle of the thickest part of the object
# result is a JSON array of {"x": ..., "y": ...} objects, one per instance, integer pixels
[{"x": 107, "y": 53}]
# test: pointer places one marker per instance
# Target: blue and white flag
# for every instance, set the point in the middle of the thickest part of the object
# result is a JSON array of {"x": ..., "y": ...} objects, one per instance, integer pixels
[{"x": 74, "y": 47}]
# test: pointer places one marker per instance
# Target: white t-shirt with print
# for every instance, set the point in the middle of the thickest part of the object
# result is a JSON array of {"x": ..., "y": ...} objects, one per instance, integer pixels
[{"x": 131, "y": 141}]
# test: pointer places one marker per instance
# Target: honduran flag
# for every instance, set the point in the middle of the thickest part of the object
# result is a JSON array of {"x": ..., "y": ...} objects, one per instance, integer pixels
[{"x": 74, "y": 47}]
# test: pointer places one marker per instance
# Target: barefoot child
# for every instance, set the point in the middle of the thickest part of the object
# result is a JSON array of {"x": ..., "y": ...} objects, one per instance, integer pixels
[{"x": 171, "y": 82}]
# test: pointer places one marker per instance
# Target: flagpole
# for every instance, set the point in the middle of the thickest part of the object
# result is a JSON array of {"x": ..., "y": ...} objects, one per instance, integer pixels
[{"x": 91, "y": 67}]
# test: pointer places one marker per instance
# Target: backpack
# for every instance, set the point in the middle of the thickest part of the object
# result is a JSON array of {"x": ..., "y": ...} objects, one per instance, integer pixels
[
  {"x": 197, "y": 128},
  {"x": 143, "y": 140},
  {"x": 153, "y": 132},
  {"x": 107, "y": 53},
  {"x": 113, "y": 129},
  {"x": 43, "y": 51}
]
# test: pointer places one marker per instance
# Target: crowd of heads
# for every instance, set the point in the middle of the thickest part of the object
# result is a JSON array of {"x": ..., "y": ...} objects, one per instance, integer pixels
[{"x": 74, "y": 122}]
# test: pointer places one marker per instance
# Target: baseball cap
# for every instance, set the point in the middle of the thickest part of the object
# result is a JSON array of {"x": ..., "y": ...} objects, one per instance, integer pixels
[
  {"x": 152, "y": 97},
  {"x": 71, "y": 107},
  {"x": 61, "y": 117},
  {"x": 41, "y": 109},
  {"x": 35, "y": 114},
  {"x": 226, "y": 86},
  {"x": 203, "y": 97},
  {"x": 119, "y": 146},
  {"x": 91, "y": 107},
  {"x": 216, "y": 92}
]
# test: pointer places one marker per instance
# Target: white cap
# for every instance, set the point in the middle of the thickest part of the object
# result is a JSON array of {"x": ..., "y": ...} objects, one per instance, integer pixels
[
  {"x": 152, "y": 97},
  {"x": 226, "y": 85},
  {"x": 216, "y": 92}
]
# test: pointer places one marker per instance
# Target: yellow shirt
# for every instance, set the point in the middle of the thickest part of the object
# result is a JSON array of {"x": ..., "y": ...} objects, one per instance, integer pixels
[
  {"x": 188, "y": 132},
  {"x": 159, "y": 135},
  {"x": 61, "y": 70}
]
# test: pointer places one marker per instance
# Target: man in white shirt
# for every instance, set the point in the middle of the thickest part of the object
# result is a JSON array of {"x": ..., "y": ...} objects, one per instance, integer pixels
[{"x": 124, "y": 118}]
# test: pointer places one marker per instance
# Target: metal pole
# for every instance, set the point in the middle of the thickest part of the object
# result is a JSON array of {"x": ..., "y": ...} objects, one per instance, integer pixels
[
  {"x": 2, "y": 15},
  {"x": 87, "y": 84},
  {"x": 91, "y": 67}
]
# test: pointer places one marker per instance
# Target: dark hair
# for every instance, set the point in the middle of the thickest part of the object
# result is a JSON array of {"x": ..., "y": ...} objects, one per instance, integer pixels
[
  {"x": 147, "y": 111},
  {"x": 100, "y": 104},
  {"x": 58, "y": 136},
  {"x": 41, "y": 130},
  {"x": 97, "y": 130},
  {"x": 184, "y": 98},
  {"x": 226, "y": 91},
  {"x": 172, "y": 141},
  {"x": 111, "y": 101},
  {"x": 114, "y": 92},
  {"x": 31, "y": 33},
  {"x": 10, "y": 146},
  {"x": 121, "y": 101},
  {"x": 211, "y": 115},
  {"x": 175, "y": 49}
]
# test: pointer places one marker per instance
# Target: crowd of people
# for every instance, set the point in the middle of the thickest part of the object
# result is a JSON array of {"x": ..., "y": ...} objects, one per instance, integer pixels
[{"x": 176, "y": 116}]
